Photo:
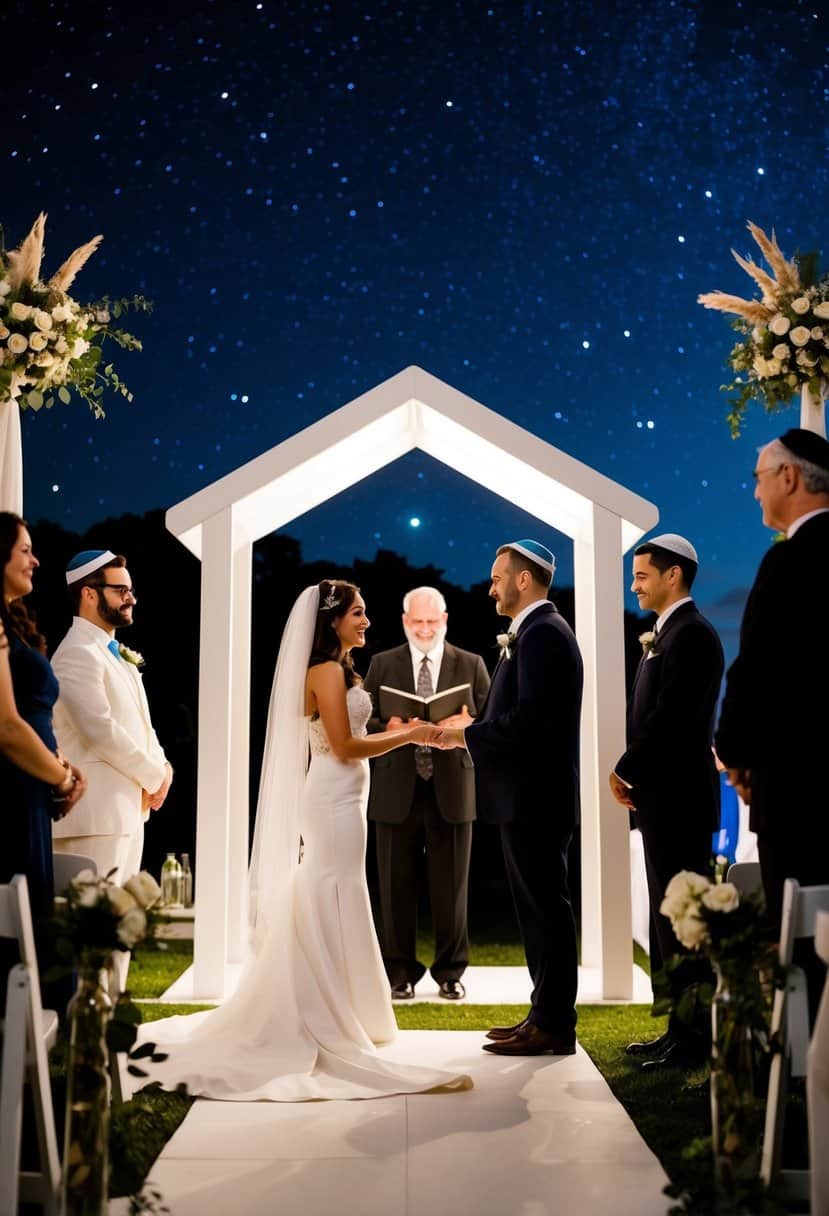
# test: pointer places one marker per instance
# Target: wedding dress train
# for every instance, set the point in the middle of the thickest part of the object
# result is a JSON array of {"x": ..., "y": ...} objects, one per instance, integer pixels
[{"x": 312, "y": 1004}]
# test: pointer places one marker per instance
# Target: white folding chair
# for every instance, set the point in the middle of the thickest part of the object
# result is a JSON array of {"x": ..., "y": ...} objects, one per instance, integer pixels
[
  {"x": 746, "y": 877},
  {"x": 790, "y": 1028},
  {"x": 29, "y": 1032},
  {"x": 66, "y": 866},
  {"x": 817, "y": 1083}
]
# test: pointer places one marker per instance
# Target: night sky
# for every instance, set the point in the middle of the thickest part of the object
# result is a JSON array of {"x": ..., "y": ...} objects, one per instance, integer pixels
[{"x": 524, "y": 199}]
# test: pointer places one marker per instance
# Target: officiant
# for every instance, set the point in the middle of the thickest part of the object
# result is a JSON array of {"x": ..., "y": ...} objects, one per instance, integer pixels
[{"x": 423, "y": 799}]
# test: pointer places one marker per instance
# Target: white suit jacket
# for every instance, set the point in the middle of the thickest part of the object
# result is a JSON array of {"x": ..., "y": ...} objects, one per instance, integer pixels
[{"x": 102, "y": 724}]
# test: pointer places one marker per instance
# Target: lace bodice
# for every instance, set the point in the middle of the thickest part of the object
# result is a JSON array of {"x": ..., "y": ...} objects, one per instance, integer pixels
[{"x": 358, "y": 703}]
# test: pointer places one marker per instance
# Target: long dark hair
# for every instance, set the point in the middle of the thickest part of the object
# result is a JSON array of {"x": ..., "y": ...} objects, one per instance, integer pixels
[
  {"x": 336, "y": 597},
  {"x": 16, "y": 617}
]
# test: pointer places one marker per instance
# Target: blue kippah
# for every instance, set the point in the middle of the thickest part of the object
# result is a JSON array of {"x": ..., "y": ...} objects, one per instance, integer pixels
[
  {"x": 535, "y": 552},
  {"x": 86, "y": 563}
]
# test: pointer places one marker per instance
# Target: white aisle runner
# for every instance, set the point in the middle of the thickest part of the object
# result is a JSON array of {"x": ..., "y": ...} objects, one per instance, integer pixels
[{"x": 538, "y": 1136}]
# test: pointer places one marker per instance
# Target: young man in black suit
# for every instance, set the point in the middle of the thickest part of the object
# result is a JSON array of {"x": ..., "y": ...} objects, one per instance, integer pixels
[
  {"x": 667, "y": 775},
  {"x": 525, "y": 748},
  {"x": 772, "y": 729}
]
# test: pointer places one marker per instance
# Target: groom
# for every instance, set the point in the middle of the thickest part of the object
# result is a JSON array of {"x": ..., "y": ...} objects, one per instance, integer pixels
[{"x": 525, "y": 748}]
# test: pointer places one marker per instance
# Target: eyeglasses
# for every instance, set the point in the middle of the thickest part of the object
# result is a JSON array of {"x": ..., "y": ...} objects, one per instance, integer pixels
[
  {"x": 119, "y": 587},
  {"x": 758, "y": 473}
]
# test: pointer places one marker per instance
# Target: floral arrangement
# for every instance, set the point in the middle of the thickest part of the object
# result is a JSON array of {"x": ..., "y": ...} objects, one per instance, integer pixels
[
  {"x": 50, "y": 343},
  {"x": 95, "y": 916},
  {"x": 715, "y": 919},
  {"x": 785, "y": 342}
]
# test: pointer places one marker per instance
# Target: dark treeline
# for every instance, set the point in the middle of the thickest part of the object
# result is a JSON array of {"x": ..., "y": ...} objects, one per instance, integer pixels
[{"x": 166, "y": 577}]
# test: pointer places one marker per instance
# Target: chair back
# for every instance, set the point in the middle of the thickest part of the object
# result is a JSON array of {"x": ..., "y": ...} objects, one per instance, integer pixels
[
  {"x": 16, "y": 919},
  {"x": 746, "y": 877},
  {"x": 67, "y": 865},
  {"x": 800, "y": 908}
]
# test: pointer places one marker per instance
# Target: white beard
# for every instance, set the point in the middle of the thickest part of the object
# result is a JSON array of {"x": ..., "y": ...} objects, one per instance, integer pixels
[{"x": 425, "y": 647}]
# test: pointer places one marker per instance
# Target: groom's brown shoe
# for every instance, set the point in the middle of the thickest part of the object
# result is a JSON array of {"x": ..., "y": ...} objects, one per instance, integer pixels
[
  {"x": 531, "y": 1040},
  {"x": 505, "y": 1032}
]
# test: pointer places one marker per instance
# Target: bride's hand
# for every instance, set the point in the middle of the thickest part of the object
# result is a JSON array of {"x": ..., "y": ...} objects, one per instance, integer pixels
[{"x": 424, "y": 734}]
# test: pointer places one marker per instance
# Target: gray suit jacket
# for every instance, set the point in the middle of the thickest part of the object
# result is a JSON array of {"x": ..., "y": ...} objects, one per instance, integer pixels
[{"x": 393, "y": 776}]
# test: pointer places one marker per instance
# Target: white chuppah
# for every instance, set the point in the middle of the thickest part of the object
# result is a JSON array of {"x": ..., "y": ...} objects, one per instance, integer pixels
[{"x": 220, "y": 524}]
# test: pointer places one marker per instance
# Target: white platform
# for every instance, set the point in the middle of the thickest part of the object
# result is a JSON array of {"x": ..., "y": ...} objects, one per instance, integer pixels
[
  {"x": 539, "y": 1136},
  {"x": 484, "y": 986}
]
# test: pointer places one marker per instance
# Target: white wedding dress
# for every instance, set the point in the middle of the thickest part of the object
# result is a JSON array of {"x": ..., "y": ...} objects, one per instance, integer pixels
[{"x": 305, "y": 1026}]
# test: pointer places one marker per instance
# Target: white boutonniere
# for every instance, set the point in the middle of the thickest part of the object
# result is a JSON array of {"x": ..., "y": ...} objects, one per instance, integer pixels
[
  {"x": 648, "y": 641},
  {"x": 131, "y": 656},
  {"x": 506, "y": 641}
]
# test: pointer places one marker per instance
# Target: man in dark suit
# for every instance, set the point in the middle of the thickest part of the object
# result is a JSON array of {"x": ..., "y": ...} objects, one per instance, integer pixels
[
  {"x": 525, "y": 748},
  {"x": 667, "y": 775},
  {"x": 771, "y": 734},
  {"x": 420, "y": 796}
]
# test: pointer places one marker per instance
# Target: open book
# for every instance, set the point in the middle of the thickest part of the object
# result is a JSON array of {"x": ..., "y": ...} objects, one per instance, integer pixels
[{"x": 395, "y": 703}]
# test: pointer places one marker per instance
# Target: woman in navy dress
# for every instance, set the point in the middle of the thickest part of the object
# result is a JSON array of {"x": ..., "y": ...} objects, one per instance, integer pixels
[{"x": 36, "y": 782}]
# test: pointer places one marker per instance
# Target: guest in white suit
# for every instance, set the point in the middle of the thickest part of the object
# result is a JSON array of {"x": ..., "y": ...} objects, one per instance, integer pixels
[{"x": 102, "y": 720}]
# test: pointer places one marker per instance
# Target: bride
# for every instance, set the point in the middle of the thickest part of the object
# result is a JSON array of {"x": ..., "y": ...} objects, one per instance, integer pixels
[{"x": 313, "y": 1000}]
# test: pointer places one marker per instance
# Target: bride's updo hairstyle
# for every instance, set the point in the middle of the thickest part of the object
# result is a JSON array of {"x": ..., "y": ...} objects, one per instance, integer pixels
[{"x": 336, "y": 597}]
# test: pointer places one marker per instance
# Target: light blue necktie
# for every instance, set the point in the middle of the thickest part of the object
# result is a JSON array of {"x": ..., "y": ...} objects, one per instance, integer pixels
[{"x": 113, "y": 646}]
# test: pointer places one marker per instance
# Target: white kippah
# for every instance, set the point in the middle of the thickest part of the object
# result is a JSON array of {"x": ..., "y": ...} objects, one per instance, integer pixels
[
  {"x": 675, "y": 544},
  {"x": 86, "y": 563}
]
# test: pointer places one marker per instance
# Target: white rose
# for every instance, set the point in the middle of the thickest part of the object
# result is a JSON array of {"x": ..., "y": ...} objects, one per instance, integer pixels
[
  {"x": 773, "y": 367},
  {"x": 799, "y": 335},
  {"x": 37, "y": 340},
  {"x": 781, "y": 351},
  {"x": 779, "y": 325},
  {"x": 42, "y": 319},
  {"x": 144, "y": 887},
  {"x": 20, "y": 312},
  {"x": 723, "y": 897},
  {"x": 61, "y": 346},
  {"x": 691, "y": 931},
  {"x": 820, "y": 310},
  {"x": 121, "y": 900},
  {"x": 17, "y": 344},
  {"x": 800, "y": 305},
  {"x": 132, "y": 927},
  {"x": 817, "y": 333},
  {"x": 79, "y": 347},
  {"x": 61, "y": 313},
  {"x": 4, "y": 333},
  {"x": 86, "y": 893}
]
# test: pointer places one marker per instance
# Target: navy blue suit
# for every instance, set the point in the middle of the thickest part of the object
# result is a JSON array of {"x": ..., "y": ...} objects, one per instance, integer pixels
[{"x": 525, "y": 748}]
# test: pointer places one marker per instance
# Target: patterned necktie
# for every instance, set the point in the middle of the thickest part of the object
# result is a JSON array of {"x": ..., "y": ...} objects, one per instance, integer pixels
[
  {"x": 113, "y": 647},
  {"x": 424, "y": 761}
]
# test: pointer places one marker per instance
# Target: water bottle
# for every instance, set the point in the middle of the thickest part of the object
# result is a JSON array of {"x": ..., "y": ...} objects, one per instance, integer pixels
[
  {"x": 186, "y": 881},
  {"x": 171, "y": 882}
]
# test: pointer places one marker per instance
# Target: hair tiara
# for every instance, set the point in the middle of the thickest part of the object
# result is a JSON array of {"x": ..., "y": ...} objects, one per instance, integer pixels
[{"x": 330, "y": 600}]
